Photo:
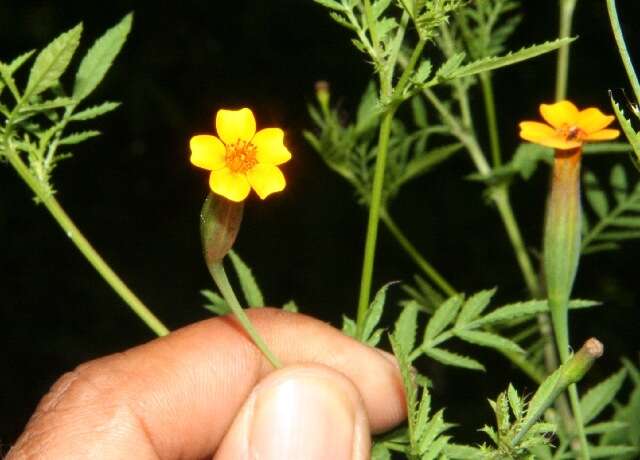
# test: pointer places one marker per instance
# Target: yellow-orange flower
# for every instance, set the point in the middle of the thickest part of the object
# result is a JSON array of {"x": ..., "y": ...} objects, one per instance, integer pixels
[
  {"x": 241, "y": 158},
  {"x": 568, "y": 128}
]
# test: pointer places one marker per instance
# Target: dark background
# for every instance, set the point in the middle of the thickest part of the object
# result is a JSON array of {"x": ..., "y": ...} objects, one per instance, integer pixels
[{"x": 136, "y": 197}]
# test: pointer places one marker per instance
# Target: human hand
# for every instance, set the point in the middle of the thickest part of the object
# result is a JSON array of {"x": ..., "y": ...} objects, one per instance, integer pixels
[{"x": 205, "y": 390}]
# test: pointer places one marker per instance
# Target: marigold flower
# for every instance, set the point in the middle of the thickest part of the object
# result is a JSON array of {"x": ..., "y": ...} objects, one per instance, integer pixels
[
  {"x": 241, "y": 158},
  {"x": 568, "y": 128}
]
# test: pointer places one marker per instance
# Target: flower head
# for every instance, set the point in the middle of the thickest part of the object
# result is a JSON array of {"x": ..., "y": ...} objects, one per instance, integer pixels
[
  {"x": 568, "y": 128},
  {"x": 241, "y": 158}
]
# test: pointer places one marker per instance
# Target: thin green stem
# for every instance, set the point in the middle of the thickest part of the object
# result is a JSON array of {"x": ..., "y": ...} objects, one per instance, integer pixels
[
  {"x": 413, "y": 60},
  {"x": 492, "y": 123},
  {"x": 622, "y": 47},
  {"x": 220, "y": 277},
  {"x": 501, "y": 198},
  {"x": 83, "y": 245},
  {"x": 567, "y": 8},
  {"x": 419, "y": 260},
  {"x": 374, "y": 217}
]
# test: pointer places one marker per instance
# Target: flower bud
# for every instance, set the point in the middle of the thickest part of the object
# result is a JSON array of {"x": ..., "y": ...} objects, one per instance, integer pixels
[{"x": 220, "y": 220}]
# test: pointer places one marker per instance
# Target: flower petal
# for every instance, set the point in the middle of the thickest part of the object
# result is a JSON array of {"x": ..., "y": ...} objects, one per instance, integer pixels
[
  {"x": 230, "y": 185},
  {"x": 591, "y": 120},
  {"x": 559, "y": 114},
  {"x": 603, "y": 135},
  {"x": 207, "y": 152},
  {"x": 235, "y": 125},
  {"x": 271, "y": 149},
  {"x": 266, "y": 179},
  {"x": 542, "y": 134}
]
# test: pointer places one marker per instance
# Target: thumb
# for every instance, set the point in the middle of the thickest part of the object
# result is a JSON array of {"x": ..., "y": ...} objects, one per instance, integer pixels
[{"x": 306, "y": 412}]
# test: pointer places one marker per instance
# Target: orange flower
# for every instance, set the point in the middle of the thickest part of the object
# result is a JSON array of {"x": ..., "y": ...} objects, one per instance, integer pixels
[
  {"x": 241, "y": 158},
  {"x": 568, "y": 128}
]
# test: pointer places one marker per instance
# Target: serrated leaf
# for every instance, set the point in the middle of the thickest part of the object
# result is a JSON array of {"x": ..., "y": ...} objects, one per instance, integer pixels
[
  {"x": 340, "y": 19},
  {"x": 368, "y": 112},
  {"x": 495, "y": 62},
  {"x": 462, "y": 452},
  {"x": 422, "y": 416},
  {"x": 627, "y": 222},
  {"x": 474, "y": 306},
  {"x": 435, "y": 448},
  {"x": 331, "y": 4},
  {"x": 423, "y": 72},
  {"x": 629, "y": 131},
  {"x": 453, "y": 359},
  {"x": 47, "y": 105},
  {"x": 406, "y": 325},
  {"x": 94, "y": 111},
  {"x": 374, "y": 313},
  {"x": 99, "y": 58},
  {"x": 605, "y": 452},
  {"x": 380, "y": 452},
  {"x": 378, "y": 7},
  {"x": 600, "y": 396},
  {"x": 452, "y": 64},
  {"x": 430, "y": 432},
  {"x": 248, "y": 284},
  {"x": 348, "y": 326},
  {"x": 444, "y": 315},
  {"x": 291, "y": 306},
  {"x": 76, "y": 138},
  {"x": 619, "y": 183},
  {"x": 19, "y": 61},
  {"x": 606, "y": 427},
  {"x": 52, "y": 61},
  {"x": 406, "y": 372},
  {"x": 520, "y": 310},
  {"x": 487, "y": 339},
  {"x": 595, "y": 195},
  {"x": 515, "y": 402}
]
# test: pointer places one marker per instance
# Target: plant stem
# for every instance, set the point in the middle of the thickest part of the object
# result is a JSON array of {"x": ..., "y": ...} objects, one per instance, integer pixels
[
  {"x": 492, "y": 124},
  {"x": 83, "y": 245},
  {"x": 567, "y": 8},
  {"x": 374, "y": 217},
  {"x": 622, "y": 47},
  {"x": 419, "y": 260},
  {"x": 220, "y": 277}
]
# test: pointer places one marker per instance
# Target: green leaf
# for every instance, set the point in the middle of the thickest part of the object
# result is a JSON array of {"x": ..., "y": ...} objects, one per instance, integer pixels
[
  {"x": 453, "y": 359},
  {"x": 331, "y": 4},
  {"x": 47, "y": 105},
  {"x": 605, "y": 451},
  {"x": 542, "y": 395},
  {"x": 462, "y": 452},
  {"x": 248, "y": 284},
  {"x": 419, "y": 110},
  {"x": 423, "y": 72},
  {"x": 52, "y": 62},
  {"x": 595, "y": 195},
  {"x": 19, "y": 61},
  {"x": 619, "y": 183},
  {"x": 600, "y": 396},
  {"x": 422, "y": 416},
  {"x": 407, "y": 374},
  {"x": 515, "y": 402},
  {"x": 217, "y": 304},
  {"x": 446, "y": 70},
  {"x": 76, "y": 138},
  {"x": 291, "y": 306},
  {"x": 430, "y": 432},
  {"x": 443, "y": 316},
  {"x": 487, "y": 339},
  {"x": 520, "y": 310},
  {"x": 99, "y": 58},
  {"x": 379, "y": 451},
  {"x": 348, "y": 326},
  {"x": 374, "y": 313},
  {"x": 406, "y": 325},
  {"x": 606, "y": 427},
  {"x": 632, "y": 136},
  {"x": 495, "y": 62},
  {"x": 424, "y": 163},
  {"x": 474, "y": 306},
  {"x": 378, "y": 7},
  {"x": 94, "y": 111}
]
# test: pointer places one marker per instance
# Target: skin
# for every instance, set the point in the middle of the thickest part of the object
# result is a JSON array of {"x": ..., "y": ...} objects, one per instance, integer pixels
[{"x": 205, "y": 391}]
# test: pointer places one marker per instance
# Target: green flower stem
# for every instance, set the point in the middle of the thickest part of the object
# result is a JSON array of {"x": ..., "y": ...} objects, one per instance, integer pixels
[
  {"x": 83, "y": 245},
  {"x": 561, "y": 259},
  {"x": 567, "y": 8},
  {"x": 622, "y": 47},
  {"x": 570, "y": 373},
  {"x": 220, "y": 277},
  {"x": 374, "y": 217},
  {"x": 492, "y": 123},
  {"x": 419, "y": 260}
]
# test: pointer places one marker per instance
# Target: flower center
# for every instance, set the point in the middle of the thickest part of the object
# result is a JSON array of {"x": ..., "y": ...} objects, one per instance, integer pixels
[
  {"x": 571, "y": 133},
  {"x": 241, "y": 156}
]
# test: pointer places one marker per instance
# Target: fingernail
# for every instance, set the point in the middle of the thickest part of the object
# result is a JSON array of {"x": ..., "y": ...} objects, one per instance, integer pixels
[{"x": 303, "y": 418}]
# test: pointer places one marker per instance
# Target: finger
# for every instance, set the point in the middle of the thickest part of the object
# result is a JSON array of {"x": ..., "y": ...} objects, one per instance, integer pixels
[
  {"x": 305, "y": 411},
  {"x": 176, "y": 396}
]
